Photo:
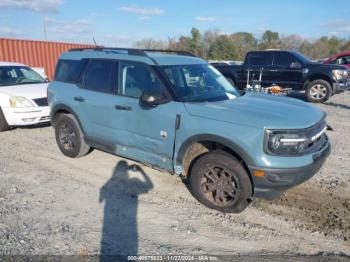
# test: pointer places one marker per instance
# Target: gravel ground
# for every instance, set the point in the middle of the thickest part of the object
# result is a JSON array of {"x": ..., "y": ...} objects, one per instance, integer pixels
[{"x": 50, "y": 204}]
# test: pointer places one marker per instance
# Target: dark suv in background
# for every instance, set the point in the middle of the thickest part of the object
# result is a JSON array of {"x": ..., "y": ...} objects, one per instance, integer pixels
[{"x": 288, "y": 69}]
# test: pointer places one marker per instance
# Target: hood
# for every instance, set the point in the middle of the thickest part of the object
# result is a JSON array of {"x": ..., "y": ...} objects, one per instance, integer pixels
[
  {"x": 259, "y": 110},
  {"x": 31, "y": 91},
  {"x": 327, "y": 66}
]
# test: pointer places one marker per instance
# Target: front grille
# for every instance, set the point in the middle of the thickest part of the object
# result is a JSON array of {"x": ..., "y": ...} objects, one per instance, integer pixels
[
  {"x": 44, "y": 118},
  {"x": 317, "y": 137},
  {"x": 41, "y": 101}
]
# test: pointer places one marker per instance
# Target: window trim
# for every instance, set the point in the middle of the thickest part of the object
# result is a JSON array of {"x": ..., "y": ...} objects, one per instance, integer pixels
[{"x": 165, "y": 86}]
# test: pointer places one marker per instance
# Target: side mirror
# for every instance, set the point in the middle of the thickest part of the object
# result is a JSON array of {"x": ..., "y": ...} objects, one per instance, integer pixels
[
  {"x": 152, "y": 99},
  {"x": 295, "y": 65}
]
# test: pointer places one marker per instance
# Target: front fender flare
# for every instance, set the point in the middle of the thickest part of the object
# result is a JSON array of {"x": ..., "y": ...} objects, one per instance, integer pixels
[{"x": 212, "y": 138}]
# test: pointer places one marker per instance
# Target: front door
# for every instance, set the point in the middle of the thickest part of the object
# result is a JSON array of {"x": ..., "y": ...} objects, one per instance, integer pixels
[
  {"x": 284, "y": 73},
  {"x": 142, "y": 133}
]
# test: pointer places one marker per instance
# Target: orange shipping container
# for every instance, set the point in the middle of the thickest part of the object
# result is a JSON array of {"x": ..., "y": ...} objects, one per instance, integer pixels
[{"x": 35, "y": 53}]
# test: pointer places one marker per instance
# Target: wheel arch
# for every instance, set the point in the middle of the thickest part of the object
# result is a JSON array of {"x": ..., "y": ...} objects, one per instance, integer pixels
[
  {"x": 317, "y": 77},
  {"x": 203, "y": 143},
  {"x": 63, "y": 109}
]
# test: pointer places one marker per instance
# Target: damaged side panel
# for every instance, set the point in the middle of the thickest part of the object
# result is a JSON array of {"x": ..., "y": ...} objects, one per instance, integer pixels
[{"x": 145, "y": 134}]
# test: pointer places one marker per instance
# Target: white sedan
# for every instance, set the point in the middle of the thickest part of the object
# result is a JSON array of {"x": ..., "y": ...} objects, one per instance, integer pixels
[{"x": 23, "y": 96}]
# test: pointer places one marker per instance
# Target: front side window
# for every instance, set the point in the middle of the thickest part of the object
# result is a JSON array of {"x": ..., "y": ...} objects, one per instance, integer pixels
[
  {"x": 19, "y": 75},
  {"x": 302, "y": 58},
  {"x": 284, "y": 59},
  {"x": 98, "y": 76},
  {"x": 136, "y": 78},
  {"x": 260, "y": 59},
  {"x": 201, "y": 82}
]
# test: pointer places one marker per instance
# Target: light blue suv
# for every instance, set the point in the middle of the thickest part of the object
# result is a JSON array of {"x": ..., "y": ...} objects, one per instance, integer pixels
[{"x": 176, "y": 112}]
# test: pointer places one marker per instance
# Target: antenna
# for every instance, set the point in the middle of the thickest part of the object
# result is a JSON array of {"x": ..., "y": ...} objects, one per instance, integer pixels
[
  {"x": 93, "y": 39},
  {"x": 45, "y": 29}
]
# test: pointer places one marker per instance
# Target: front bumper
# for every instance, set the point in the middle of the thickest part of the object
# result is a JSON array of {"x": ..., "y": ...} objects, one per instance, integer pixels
[
  {"x": 27, "y": 116},
  {"x": 276, "y": 181},
  {"x": 339, "y": 87}
]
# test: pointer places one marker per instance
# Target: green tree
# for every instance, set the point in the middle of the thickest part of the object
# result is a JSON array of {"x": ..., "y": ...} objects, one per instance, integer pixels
[
  {"x": 270, "y": 40},
  {"x": 195, "y": 43},
  {"x": 346, "y": 46},
  {"x": 244, "y": 42},
  {"x": 223, "y": 49}
]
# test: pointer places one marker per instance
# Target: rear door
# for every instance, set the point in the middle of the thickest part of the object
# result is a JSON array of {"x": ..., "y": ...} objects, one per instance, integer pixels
[
  {"x": 258, "y": 63},
  {"x": 283, "y": 72},
  {"x": 96, "y": 100}
]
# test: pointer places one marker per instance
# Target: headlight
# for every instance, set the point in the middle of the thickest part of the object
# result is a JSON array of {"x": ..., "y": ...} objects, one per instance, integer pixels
[
  {"x": 293, "y": 142},
  {"x": 339, "y": 74},
  {"x": 19, "y": 101},
  {"x": 285, "y": 143}
]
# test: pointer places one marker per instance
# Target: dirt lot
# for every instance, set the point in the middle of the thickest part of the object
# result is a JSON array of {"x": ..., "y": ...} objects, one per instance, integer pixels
[{"x": 50, "y": 204}]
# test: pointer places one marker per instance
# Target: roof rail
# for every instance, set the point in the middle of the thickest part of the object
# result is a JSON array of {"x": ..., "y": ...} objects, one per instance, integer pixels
[
  {"x": 178, "y": 52},
  {"x": 133, "y": 51}
]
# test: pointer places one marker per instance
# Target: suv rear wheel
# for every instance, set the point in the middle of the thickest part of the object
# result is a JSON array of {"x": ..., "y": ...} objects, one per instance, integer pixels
[
  {"x": 69, "y": 137},
  {"x": 3, "y": 123},
  {"x": 219, "y": 181},
  {"x": 318, "y": 91}
]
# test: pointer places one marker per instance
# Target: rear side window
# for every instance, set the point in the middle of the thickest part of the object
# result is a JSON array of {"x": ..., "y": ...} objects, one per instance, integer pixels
[
  {"x": 260, "y": 59},
  {"x": 99, "y": 76},
  {"x": 69, "y": 70},
  {"x": 284, "y": 59}
]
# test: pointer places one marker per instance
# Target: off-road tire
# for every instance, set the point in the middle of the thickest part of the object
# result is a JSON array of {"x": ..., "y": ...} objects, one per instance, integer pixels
[
  {"x": 323, "y": 85},
  {"x": 219, "y": 159},
  {"x": 79, "y": 148},
  {"x": 3, "y": 123}
]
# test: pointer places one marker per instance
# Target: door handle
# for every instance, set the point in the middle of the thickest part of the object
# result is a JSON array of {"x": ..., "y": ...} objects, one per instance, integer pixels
[
  {"x": 126, "y": 108},
  {"x": 79, "y": 98},
  {"x": 273, "y": 70}
]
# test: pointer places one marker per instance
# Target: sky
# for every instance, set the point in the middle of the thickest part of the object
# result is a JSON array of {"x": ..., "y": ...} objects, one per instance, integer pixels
[{"x": 121, "y": 23}]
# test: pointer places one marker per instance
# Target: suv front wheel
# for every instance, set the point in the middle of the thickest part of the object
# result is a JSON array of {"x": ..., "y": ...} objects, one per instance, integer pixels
[
  {"x": 318, "y": 91},
  {"x": 219, "y": 181},
  {"x": 69, "y": 137}
]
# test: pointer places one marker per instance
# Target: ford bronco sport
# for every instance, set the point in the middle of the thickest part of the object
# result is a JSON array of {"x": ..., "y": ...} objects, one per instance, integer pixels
[{"x": 176, "y": 112}]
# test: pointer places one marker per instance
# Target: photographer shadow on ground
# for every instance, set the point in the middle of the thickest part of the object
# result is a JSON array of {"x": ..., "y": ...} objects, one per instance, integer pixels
[{"x": 120, "y": 196}]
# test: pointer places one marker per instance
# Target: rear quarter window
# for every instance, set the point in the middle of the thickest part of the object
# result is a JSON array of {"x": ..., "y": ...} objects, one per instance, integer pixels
[{"x": 68, "y": 71}]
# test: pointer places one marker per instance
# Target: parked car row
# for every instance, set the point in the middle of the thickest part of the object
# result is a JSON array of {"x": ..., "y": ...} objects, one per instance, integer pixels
[{"x": 292, "y": 70}]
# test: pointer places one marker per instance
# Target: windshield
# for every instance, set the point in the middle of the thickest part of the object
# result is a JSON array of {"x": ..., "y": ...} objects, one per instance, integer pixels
[
  {"x": 303, "y": 58},
  {"x": 197, "y": 83},
  {"x": 19, "y": 75}
]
